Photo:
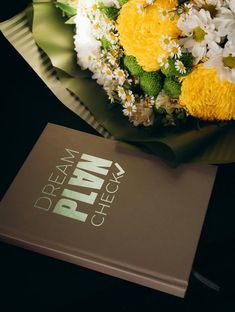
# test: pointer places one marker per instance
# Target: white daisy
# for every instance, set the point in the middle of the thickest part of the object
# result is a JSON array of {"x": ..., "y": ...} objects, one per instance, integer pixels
[
  {"x": 225, "y": 20},
  {"x": 163, "y": 60},
  {"x": 185, "y": 9},
  {"x": 175, "y": 50},
  {"x": 129, "y": 97},
  {"x": 129, "y": 109},
  {"x": 111, "y": 58},
  {"x": 107, "y": 72},
  {"x": 165, "y": 42},
  {"x": 121, "y": 93},
  {"x": 180, "y": 67},
  {"x": 119, "y": 74},
  {"x": 94, "y": 8},
  {"x": 231, "y": 38},
  {"x": 163, "y": 13},
  {"x": 200, "y": 31},
  {"x": 223, "y": 60},
  {"x": 112, "y": 37}
]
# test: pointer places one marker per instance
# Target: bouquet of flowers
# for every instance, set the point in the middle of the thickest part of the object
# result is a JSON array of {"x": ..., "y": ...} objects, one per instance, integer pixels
[{"x": 157, "y": 73}]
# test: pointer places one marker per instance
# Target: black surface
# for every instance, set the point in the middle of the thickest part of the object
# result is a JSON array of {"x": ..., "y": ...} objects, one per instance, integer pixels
[{"x": 32, "y": 282}]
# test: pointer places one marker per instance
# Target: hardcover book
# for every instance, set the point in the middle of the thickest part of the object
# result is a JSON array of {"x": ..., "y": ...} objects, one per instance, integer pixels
[{"x": 107, "y": 206}]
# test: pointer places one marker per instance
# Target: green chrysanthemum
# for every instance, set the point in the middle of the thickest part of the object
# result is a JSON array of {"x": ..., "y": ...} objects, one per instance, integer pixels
[{"x": 151, "y": 83}]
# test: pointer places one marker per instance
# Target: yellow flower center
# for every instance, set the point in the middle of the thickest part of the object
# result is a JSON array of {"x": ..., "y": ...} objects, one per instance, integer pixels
[
  {"x": 128, "y": 98},
  {"x": 198, "y": 34},
  {"x": 174, "y": 50},
  {"x": 140, "y": 35},
  {"x": 229, "y": 61},
  {"x": 120, "y": 74},
  {"x": 185, "y": 10},
  {"x": 94, "y": 7},
  {"x": 206, "y": 96},
  {"x": 181, "y": 66},
  {"x": 166, "y": 41}
]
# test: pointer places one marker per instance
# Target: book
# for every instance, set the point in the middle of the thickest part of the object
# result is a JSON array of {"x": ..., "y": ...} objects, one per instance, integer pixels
[{"x": 107, "y": 206}]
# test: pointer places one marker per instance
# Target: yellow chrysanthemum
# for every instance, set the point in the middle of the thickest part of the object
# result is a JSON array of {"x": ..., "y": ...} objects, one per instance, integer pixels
[
  {"x": 206, "y": 96},
  {"x": 140, "y": 34}
]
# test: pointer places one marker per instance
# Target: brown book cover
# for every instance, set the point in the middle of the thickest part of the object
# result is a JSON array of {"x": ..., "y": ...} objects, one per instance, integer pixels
[{"x": 107, "y": 206}]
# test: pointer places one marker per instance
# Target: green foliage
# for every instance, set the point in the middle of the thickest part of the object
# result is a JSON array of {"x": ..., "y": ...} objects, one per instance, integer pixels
[
  {"x": 122, "y": 2},
  {"x": 172, "y": 87},
  {"x": 170, "y": 71},
  {"x": 132, "y": 66},
  {"x": 71, "y": 20},
  {"x": 186, "y": 59},
  {"x": 151, "y": 83},
  {"x": 67, "y": 9},
  {"x": 105, "y": 43},
  {"x": 110, "y": 12}
]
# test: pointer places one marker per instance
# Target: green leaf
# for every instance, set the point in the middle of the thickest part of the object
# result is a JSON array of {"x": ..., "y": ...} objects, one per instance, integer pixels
[
  {"x": 68, "y": 10},
  {"x": 122, "y": 2},
  {"x": 71, "y": 21},
  {"x": 110, "y": 12}
]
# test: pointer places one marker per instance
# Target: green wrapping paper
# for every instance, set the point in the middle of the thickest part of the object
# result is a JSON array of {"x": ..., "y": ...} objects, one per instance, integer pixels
[{"x": 211, "y": 143}]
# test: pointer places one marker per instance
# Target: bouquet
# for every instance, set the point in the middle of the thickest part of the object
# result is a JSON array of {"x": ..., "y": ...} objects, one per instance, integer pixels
[{"x": 157, "y": 73}]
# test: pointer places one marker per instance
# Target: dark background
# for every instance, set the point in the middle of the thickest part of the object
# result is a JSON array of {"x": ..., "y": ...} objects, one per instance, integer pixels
[{"x": 33, "y": 282}]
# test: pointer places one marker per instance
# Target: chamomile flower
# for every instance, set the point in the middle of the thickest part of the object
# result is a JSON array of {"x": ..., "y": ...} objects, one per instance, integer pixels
[
  {"x": 175, "y": 50},
  {"x": 163, "y": 60},
  {"x": 185, "y": 9},
  {"x": 94, "y": 8},
  {"x": 129, "y": 109},
  {"x": 163, "y": 13},
  {"x": 165, "y": 42},
  {"x": 121, "y": 93},
  {"x": 130, "y": 98},
  {"x": 180, "y": 67},
  {"x": 112, "y": 37},
  {"x": 111, "y": 59},
  {"x": 107, "y": 72},
  {"x": 119, "y": 74},
  {"x": 106, "y": 24}
]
